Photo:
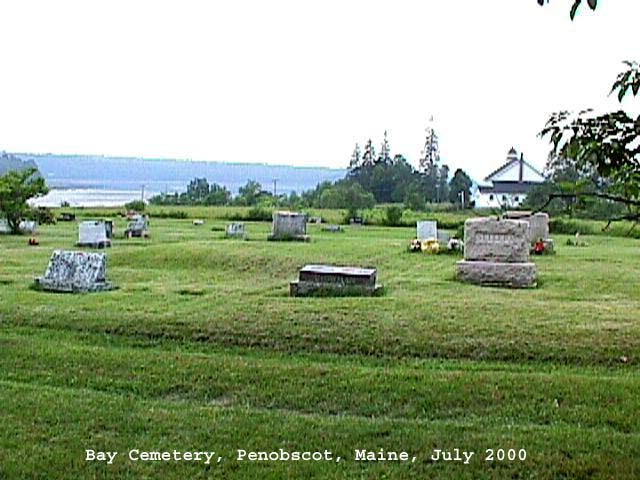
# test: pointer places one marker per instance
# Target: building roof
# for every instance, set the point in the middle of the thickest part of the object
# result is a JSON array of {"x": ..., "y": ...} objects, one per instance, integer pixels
[{"x": 513, "y": 160}]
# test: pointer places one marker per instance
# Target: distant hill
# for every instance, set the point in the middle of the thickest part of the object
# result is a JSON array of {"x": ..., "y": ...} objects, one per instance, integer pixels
[
  {"x": 10, "y": 162},
  {"x": 169, "y": 175}
]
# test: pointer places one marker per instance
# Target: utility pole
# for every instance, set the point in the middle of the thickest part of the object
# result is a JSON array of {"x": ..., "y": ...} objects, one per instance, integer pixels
[
  {"x": 275, "y": 187},
  {"x": 142, "y": 193}
]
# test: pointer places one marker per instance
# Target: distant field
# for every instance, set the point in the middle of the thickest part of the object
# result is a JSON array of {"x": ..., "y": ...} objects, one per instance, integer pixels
[{"x": 201, "y": 348}]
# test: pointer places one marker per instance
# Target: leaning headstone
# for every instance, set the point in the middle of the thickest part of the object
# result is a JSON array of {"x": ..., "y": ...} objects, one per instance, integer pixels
[
  {"x": 74, "y": 272},
  {"x": 93, "y": 233},
  {"x": 427, "y": 230},
  {"x": 235, "y": 230},
  {"x": 332, "y": 280},
  {"x": 289, "y": 226},
  {"x": 496, "y": 253}
]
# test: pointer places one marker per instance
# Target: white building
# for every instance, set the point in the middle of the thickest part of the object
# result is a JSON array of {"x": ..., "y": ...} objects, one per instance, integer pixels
[{"x": 507, "y": 187}]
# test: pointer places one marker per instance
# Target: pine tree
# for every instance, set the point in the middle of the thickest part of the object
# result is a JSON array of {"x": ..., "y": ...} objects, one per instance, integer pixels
[
  {"x": 385, "y": 151},
  {"x": 429, "y": 164},
  {"x": 356, "y": 159},
  {"x": 369, "y": 155}
]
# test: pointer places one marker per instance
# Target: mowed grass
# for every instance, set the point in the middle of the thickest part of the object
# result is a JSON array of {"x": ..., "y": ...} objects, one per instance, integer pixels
[{"x": 201, "y": 348}]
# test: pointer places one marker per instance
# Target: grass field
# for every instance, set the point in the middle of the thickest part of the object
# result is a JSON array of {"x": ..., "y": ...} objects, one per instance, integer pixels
[{"x": 202, "y": 349}]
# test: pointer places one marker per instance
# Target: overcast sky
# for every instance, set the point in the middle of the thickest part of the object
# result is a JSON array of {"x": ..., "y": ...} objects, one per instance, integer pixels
[{"x": 300, "y": 82}]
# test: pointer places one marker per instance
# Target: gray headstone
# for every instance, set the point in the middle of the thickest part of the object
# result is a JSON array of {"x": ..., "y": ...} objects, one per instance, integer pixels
[
  {"x": 235, "y": 230},
  {"x": 93, "y": 233},
  {"x": 289, "y": 226},
  {"x": 138, "y": 226},
  {"x": 539, "y": 227},
  {"x": 427, "y": 229},
  {"x": 496, "y": 253},
  {"x": 496, "y": 240},
  {"x": 443, "y": 237},
  {"x": 75, "y": 272}
]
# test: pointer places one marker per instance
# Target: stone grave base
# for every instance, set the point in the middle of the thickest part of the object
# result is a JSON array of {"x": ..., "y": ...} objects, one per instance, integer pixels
[
  {"x": 102, "y": 244},
  {"x": 328, "y": 280},
  {"x": 305, "y": 289},
  {"x": 499, "y": 274},
  {"x": 289, "y": 238},
  {"x": 50, "y": 285}
]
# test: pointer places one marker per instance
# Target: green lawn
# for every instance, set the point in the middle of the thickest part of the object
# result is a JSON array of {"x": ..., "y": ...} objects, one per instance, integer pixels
[{"x": 202, "y": 349}]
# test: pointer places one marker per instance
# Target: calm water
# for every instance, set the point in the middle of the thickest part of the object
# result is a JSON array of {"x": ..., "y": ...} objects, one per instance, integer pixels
[{"x": 95, "y": 181}]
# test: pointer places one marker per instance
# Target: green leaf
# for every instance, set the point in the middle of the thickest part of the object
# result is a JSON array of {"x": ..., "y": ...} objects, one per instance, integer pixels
[{"x": 593, "y": 4}]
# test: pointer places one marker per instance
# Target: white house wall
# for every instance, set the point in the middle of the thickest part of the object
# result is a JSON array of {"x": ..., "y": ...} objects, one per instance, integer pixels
[{"x": 499, "y": 200}]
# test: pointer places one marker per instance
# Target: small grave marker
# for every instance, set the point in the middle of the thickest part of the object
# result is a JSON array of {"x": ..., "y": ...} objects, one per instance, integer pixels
[{"x": 334, "y": 280}]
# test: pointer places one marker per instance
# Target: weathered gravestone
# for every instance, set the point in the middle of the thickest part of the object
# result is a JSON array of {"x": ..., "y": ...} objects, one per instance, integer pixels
[
  {"x": 332, "y": 280},
  {"x": 496, "y": 252},
  {"x": 138, "y": 227},
  {"x": 236, "y": 230},
  {"x": 427, "y": 230},
  {"x": 93, "y": 233},
  {"x": 538, "y": 227},
  {"x": 75, "y": 272},
  {"x": 443, "y": 237},
  {"x": 289, "y": 226},
  {"x": 25, "y": 226}
]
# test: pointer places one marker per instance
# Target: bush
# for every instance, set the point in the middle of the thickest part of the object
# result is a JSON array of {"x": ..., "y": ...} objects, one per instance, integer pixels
[
  {"x": 255, "y": 214},
  {"x": 393, "y": 216},
  {"x": 180, "y": 214},
  {"x": 42, "y": 215},
  {"x": 137, "y": 205}
]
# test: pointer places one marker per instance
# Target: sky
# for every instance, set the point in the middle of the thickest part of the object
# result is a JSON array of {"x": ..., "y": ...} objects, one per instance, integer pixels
[{"x": 299, "y": 83}]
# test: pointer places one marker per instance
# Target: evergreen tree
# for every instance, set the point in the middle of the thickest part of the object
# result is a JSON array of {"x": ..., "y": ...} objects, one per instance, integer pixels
[
  {"x": 429, "y": 164},
  {"x": 369, "y": 155},
  {"x": 385, "y": 151},
  {"x": 356, "y": 159},
  {"x": 459, "y": 187},
  {"x": 443, "y": 184}
]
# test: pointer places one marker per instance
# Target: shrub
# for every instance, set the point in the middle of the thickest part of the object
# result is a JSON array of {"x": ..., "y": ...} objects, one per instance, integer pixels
[
  {"x": 393, "y": 216},
  {"x": 180, "y": 214},
  {"x": 42, "y": 215},
  {"x": 137, "y": 205}
]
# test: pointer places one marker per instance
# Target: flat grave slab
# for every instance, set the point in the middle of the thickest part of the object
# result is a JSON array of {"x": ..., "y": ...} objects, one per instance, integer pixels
[{"x": 335, "y": 280}]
